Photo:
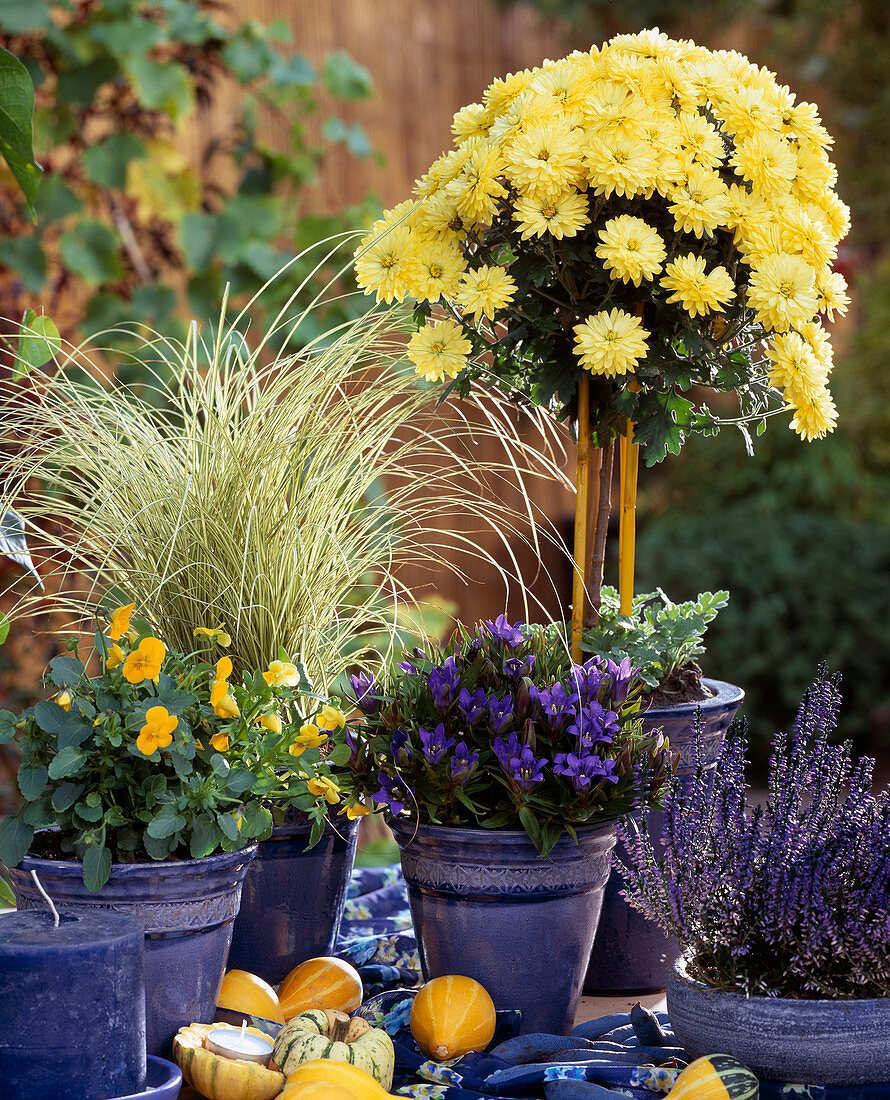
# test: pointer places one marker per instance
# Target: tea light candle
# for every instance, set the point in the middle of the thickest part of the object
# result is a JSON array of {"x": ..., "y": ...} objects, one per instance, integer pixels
[
  {"x": 73, "y": 999},
  {"x": 243, "y": 1045}
]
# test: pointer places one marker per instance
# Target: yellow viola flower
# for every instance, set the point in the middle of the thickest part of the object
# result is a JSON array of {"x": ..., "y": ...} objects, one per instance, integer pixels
[
  {"x": 157, "y": 733},
  {"x": 220, "y": 741},
  {"x": 322, "y": 787},
  {"x": 269, "y": 722},
  {"x": 329, "y": 718},
  {"x": 282, "y": 674},
  {"x": 64, "y": 700},
  {"x": 120, "y": 621},
  {"x": 218, "y": 691},
  {"x": 144, "y": 663},
  {"x": 223, "y": 668},
  {"x": 226, "y": 707},
  {"x": 216, "y": 634},
  {"x": 309, "y": 737},
  {"x": 357, "y": 809},
  {"x": 115, "y": 656}
]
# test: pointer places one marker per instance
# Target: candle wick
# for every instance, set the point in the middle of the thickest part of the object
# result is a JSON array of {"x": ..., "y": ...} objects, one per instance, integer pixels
[
  {"x": 47, "y": 899},
  {"x": 243, "y": 1029}
]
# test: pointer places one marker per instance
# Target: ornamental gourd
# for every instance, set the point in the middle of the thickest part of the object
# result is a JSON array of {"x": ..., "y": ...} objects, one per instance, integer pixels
[
  {"x": 249, "y": 994},
  {"x": 330, "y": 1075},
  {"x": 220, "y": 1078},
  {"x": 323, "y": 982},
  {"x": 326, "y": 1034},
  {"x": 451, "y": 1016},
  {"x": 716, "y": 1077}
]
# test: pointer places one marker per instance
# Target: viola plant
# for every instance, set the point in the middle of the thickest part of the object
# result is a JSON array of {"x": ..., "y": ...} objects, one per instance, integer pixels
[
  {"x": 161, "y": 755},
  {"x": 499, "y": 729},
  {"x": 787, "y": 898}
]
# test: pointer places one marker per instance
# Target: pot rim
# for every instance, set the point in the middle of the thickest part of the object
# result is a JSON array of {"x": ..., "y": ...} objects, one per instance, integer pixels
[
  {"x": 726, "y": 694},
  {"x": 66, "y": 866},
  {"x": 456, "y": 831},
  {"x": 678, "y": 972}
]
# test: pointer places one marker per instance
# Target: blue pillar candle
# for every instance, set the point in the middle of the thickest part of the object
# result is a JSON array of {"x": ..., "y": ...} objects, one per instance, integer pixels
[{"x": 72, "y": 1005}]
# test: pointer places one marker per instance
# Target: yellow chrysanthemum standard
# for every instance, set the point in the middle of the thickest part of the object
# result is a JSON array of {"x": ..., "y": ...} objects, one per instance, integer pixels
[
  {"x": 564, "y": 216},
  {"x": 309, "y": 737},
  {"x": 282, "y": 674},
  {"x": 747, "y": 214},
  {"x": 220, "y": 741},
  {"x": 749, "y": 111},
  {"x": 439, "y": 351},
  {"x": 697, "y": 292},
  {"x": 325, "y": 788},
  {"x": 649, "y": 43},
  {"x": 782, "y": 291},
  {"x": 437, "y": 217},
  {"x": 630, "y": 250},
  {"x": 115, "y": 656},
  {"x": 767, "y": 161},
  {"x": 804, "y": 235},
  {"x": 610, "y": 343},
  {"x": 835, "y": 215},
  {"x": 700, "y": 141},
  {"x": 439, "y": 268},
  {"x": 700, "y": 203},
  {"x": 815, "y": 417},
  {"x": 225, "y": 706},
  {"x": 477, "y": 189},
  {"x": 709, "y": 79},
  {"x": 440, "y": 173},
  {"x": 568, "y": 85},
  {"x": 802, "y": 122},
  {"x": 144, "y": 663},
  {"x": 664, "y": 85},
  {"x": 157, "y": 733},
  {"x": 815, "y": 174},
  {"x": 816, "y": 336},
  {"x": 269, "y": 722},
  {"x": 619, "y": 164},
  {"x": 355, "y": 810},
  {"x": 528, "y": 109},
  {"x": 545, "y": 161},
  {"x": 384, "y": 265},
  {"x": 831, "y": 291},
  {"x": 471, "y": 121},
  {"x": 795, "y": 368},
  {"x": 330, "y": 718},
  {"x": 120, "y": 621},
  {"x": 484, "y": 291},
  {"x": 612, "y": 108},
  {"x": 500, "y": 93},
  {"x": 216, "y": 634}
]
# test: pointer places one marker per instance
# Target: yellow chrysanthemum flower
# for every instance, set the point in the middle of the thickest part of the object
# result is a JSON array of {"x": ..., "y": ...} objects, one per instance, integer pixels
[
  {"x": 767, "y": 161},
  {"x": 815, "y": 417},
  {"x": 619, "y": 164},
  {"x": 795, "y": 369},
  {"x": 568, "y": 85},
  {"x": 477, "y": 189},
  {"x": 439, "y": 351},
  {"x": 700, "y": 203},
  {"x": 815, "y": 174},
  {"x": 471, "y": 121},
  {"x": 630, "y": 250},
  {"x": 545, "y": 161},
  {"x": 699, "y": 140},
  {"x": 216, "y": 634},
  {"x": 120, "y": 621},
  {"x": 835, "y": 215},
  {"x": 157, "y": 733},
  {"x": 500, "y": 93},
  {"x": 816, "y": 336},
  {"x": 612, "y": 108},
  {"x": 698, "y": 293},
  {"x": 385, "y": 265},
  {"x": 806, "y": 236},
  {"x": 439, "y": 268},
  {"x": 282, "y": 674},
  {"x": 115, "y": 656},
  {"x": 748, "y": 111},
  {"x": 437, "y": 217},
  {"x": 610, "y": 343},
  {"x": 831, "y": 291},
  {"x": 325, "y": 788},
  {"x": 647, "y": 43},
  {"x": 782, "y": 291},
  {"x": 484, "y": 291},
  {"x": 144, "y": 663},
  {"x": 564, "y": 216},
  {"x": 803, "y": 122}
]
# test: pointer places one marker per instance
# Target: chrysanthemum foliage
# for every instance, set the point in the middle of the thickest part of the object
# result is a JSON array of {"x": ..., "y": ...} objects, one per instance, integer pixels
[{"x": 653, "y": 212}]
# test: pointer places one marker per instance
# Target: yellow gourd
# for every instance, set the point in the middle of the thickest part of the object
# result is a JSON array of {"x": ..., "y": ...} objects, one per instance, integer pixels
[
  {"x": 244, "y": 992},
  {"x": 355, "y": 1080},
  {"x": 451, "y": 1016},
  {"x": 716, "y": 1077},
  {"x": 220, "y": 1078},
  {"x": 323, "y": 982},
  {"x": 317, "y": 1090}
]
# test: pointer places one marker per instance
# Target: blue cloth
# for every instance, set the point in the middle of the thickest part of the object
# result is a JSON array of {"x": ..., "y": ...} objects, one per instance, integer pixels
[{"x": 604, "y": 1062}]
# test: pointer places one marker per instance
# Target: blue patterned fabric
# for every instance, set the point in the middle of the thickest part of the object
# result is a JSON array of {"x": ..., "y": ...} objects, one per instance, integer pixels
[{"x": 601, "y": 1060}]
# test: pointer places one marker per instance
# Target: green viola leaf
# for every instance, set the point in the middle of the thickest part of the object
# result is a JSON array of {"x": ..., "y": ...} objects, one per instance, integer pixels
[
  {"x": 157, "y": 847},
  {"x": 295, "y": 71},
  {"x": 7, "y": 726},
  {"x": 25, "y": 257},
  {"x": 228, "y": 825},
  {"x": 161, "y": 86},
  {"x": 65, "y": 796},
  {"x": 56, "y": 200},
  {"x": 165, "y": 823},
  {"x": 87, "y": 815},
  {"x": 79, "y": 84},
  {"x": 249, "y": 57},
  {"x": 106, "y": 163},
  {"x": 206, "y": 837},
  {"x": 15, "y": 839},
  {"x": 32, "y": 780},
  {"x": 24, "y": 16},
  {"x": 344, "y": 78},
  {"x": 91, "y": 251},
  {"x": 65, "y": 670},
  {"x": 238, "y": 781},
  {"x": 96, "y": 867},
  {"x": 66, "y": 762},
  {"x": 17, "y": 126},
  {"x": 50, "y": 717}
]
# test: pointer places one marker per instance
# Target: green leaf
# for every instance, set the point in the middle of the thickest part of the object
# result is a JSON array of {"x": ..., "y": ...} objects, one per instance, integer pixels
[
  {"x": 4, "y": 634},
  {"x": 345, "y": 78},
  {"x": 65, "y": 796},
  {"x": 24, "y": 16},
  {"x": 7, "y": 726},
  {"x": 339, "y": 755},
  {"x": 96, "y": 867},
  {"x": 106, "y": 163},
  {"x": 153, "y": 302},
  {"x": 295, "y": 71},
  {"x": 50, "y": 717},
  {"x": 532, "y": 826},
  {"x": 64, "y": 670},
  {"x": 205, "y": 837},
  {"x": 238, "y": 781},
  {"x": 15, "y": 839},
  {"x": 353, "y": 137},
  {"x": 17, "y": 125},
  {"x": 25, "y": 257},
  {"x": 125, "y": 37},
  {"x": 249, "y": 57},
  {"x": 66, "y": 762},
  {"x": 197, "y": 236},
  {"x": 39, "y": 342},
  {"x": 161, "y": 86},
  {"x": 228, "y": 825},
  {"x": 156, "y": 848},
  {"x": 55, "y": 199},
  {"x": 32, "y": 781},
  {"x": 78, "y": 86},
  {"x": 165, "y": 823},
  {"x": 91, "y": 251}
]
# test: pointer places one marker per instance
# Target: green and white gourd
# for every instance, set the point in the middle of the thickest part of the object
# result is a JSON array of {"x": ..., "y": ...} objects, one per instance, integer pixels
[{"x": 325, "y": 1033}]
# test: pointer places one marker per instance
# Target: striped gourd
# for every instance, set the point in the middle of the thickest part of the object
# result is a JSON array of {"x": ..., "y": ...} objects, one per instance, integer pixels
[
  {"x": 716, "y": 1077},
  {"x": 325, "y": 1034},
  {"x": 322, "y": 982},
  {"x": 220, "y": 1078},
  {"x": 452, "y": 1015}
]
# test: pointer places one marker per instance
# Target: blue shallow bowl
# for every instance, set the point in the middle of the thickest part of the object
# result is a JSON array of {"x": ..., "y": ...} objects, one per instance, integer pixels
[{"x": 163, "y": 1080}]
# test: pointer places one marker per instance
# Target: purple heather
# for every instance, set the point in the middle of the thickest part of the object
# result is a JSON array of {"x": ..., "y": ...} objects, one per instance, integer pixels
[{"x": 435, "y": 744}]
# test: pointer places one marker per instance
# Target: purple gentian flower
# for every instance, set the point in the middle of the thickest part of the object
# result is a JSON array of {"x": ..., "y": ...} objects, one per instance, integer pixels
[
  {"x": 555, "y": 705},
  {"x": 587, "y": 679},
  {"x": 504, "y": 631},
  {"x": 366, "y": 692},
  {"x": 443, "y": 681},
  {"x": 435, "y": 744},
  {"x": 471, "y": 707},
  {"x": 582, "y": 769},
  {"x": 621, "y": 678},
  {"x": 406, "y": 666},
  {"x": 393, "y": 793},
  {"x": 500, "y": 712},
  {"x": 519, "y": 762},
  {"x": 514, "y": 667},
  {"x": 593, "y": 724},
  {"x": 463, "y": 762},
  {"x": 400, "y": 747}
]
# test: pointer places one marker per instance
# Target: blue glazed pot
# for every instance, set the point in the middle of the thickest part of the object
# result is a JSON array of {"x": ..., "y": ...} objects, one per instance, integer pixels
[
  {"x": 631, "y": 954},
  {"x": 292, "y": 900},
  {"x": 188, "y": 907},
  {"x": 486, "y": 905},
  {"x": 842, "y": 1042}
]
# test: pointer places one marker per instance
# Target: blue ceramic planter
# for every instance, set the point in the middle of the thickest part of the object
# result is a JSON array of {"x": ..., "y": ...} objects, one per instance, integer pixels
[
  {"x": 486, "y": 905},
  {"x": 188, "y": 907},
  {"x": 292, "y": 900},
  {"x": 631, "y": 954},
  {"x": 841, "y": 1042}
]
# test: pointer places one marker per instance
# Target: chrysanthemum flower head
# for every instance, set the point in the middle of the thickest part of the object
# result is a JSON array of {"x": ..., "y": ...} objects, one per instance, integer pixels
[
  {"x": 610, "y": 343},
  {"x": 698, "y": 292},
  {"x": 439, "y": 350},
  {"x": 782, "y": 291},
  {"x": 630, "y": 249}
]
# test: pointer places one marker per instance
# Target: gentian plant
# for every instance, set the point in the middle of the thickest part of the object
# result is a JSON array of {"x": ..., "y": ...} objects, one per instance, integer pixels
[
  {"x": 787, "y": 898},
  {"x": 499, "y": 729},
  {"x": 162, "y": 755}
]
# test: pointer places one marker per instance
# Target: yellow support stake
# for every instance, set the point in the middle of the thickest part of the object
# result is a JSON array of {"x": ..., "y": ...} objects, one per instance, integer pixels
[
  {"x": 580, "y": 548},
  {"x": 630, "y": 452}
]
